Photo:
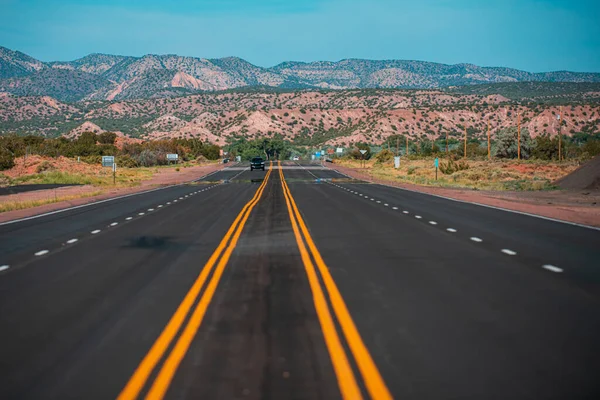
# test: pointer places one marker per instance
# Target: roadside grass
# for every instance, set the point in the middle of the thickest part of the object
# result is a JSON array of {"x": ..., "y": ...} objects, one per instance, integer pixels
[
  {"x": 495, "y": 175},
  {"x": 21, "y": 205},
  {"x": 125, "y": 177}
]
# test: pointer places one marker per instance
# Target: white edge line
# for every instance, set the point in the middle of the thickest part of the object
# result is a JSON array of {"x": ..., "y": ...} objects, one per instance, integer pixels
[
  {"x": 477, "y": 204},
  {"x": 552, "y": 268},
  {"x": 14, "y": 221}
]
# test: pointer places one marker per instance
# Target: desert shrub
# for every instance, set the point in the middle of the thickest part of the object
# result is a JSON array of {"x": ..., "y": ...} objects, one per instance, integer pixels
[
  {"x": 7, "y": 159},
  {"x": 384, "y": 156},
  {"x": 147, "y": 158},
  {"x": 126, "y": 161},
  {"x": 453, "y": 166},
  {"x": 95, "y": 159},
  {"x": 107, "y": 138},
  {"x": 506, "y": 143},
  {"x": 44, "y": 166},
  {"x": 356, "y": 152},
  {"x": 411, "y": 170},
  {"x": 546, "y": 148}
]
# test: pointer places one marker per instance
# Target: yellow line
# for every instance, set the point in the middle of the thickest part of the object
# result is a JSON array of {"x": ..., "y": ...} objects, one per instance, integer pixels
[
  {"x": 343, "y": 371},
  {"x": 147, "y": 365},
  {"x": 374, "y": 382},
  {"x": 167, "y": 372}
]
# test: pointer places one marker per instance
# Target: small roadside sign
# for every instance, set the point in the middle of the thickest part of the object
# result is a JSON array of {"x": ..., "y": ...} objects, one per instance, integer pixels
[
  {"x": 330, "y": 151},
  {"x": 339, "y": 150},
  {"x": 318, "y": 154},
  {"x": 362, "y": 152},
  {"x": 397, "y": 162},
  {"x": 436, "y": 163},
  {"x": 108, "y": 161},
  {"x": 172, "y": 157}
]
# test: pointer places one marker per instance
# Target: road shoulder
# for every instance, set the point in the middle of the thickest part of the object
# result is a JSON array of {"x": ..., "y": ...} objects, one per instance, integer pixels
[{"x": 165, "y": 178}]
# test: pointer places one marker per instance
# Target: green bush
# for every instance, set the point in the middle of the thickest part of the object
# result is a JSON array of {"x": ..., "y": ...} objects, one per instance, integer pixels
[
  {"x": 44, "y": 166},
  {"x": 7, "y": 159},
  {"x": 126, "y": 161},
  {"x": 384, "y": 156},
  {"x": 452, "y": 166}
]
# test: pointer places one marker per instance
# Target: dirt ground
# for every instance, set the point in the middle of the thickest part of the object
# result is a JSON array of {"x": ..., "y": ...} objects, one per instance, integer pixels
[
  {"x": 579, "y": 206},
  {"x": 88, "y": 194}
]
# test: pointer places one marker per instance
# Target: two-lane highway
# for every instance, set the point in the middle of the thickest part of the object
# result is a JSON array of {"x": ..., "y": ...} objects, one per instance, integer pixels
[{"x": 297, "y": 282}]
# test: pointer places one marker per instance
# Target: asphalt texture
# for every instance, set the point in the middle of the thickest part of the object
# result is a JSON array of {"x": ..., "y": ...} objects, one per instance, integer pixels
[
  {"x": 30, "y": 188},
  {"x": 501, "y": 306}
]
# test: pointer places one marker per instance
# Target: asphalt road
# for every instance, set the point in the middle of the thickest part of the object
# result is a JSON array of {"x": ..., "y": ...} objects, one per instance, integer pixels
[{"x": 310, "y": 285}]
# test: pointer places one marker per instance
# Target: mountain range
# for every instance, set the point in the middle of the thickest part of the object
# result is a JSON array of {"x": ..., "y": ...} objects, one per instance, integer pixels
[{"x": 112, "y": 77}]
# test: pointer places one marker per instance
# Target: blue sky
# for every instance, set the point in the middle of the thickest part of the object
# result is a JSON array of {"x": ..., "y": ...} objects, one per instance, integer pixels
[{"x": 534, "y": 35}]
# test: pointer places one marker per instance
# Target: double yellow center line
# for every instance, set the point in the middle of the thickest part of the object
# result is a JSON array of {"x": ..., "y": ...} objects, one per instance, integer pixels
[
  {"x": 187, "y": 330},
  {"x": 345, "y": 376},
  {"x": 159, "y": 349}
]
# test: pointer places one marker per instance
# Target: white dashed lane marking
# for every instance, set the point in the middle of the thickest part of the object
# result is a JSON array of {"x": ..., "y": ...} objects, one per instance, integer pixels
[
  {"x": 141, "y": 213},
  {"x": 160, "y": 205},
  {"x": 114, "y": 224},
  {"x": 509, "y": 252},
  {"x": 151, "y": 209},
  {"x": 71, "y": 241},
  {"x": 4, "y": 267},
  {"x": 552, "y": 268},
  {"x": 42, "y": 252},
  {"x": 94, "y": 232},
  {"x": 128, "y": 218}
]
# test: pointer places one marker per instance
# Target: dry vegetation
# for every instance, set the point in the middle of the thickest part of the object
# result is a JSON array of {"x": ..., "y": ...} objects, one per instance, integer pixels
[{"x": 481, "y": 175}]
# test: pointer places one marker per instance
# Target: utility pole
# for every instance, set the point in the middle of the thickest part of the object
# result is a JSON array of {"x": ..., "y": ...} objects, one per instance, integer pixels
[
  {"x": 519, "y": 135},
  {"x": 559, "y": 135},
  {"x": 489, "y": 147},
  {"x": 465, "y": 141},
  {"x": 446, "y": 141},
  {"x": 406, "y": 144},
  {"x": 397, "y": 146}
]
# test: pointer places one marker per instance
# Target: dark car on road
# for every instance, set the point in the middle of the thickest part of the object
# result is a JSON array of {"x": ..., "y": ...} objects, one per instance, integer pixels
[{"x": 257, "y": 163}]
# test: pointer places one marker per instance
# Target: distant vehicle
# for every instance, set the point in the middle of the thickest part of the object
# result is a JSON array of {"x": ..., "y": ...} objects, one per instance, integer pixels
[
  {"x": 257, "y": 163},
  {"x": 225, "y": 160},
  {"x": 296, "y": 158}
]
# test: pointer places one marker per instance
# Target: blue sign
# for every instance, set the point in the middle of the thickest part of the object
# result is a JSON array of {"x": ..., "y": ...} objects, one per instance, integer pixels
[
  {"x": 318, "y": 154},
  {"x": 437, "y": 163}
]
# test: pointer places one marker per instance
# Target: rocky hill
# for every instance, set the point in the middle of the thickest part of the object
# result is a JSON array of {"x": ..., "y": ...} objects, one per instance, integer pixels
[
  {"x": 110, "y": 77},
  {"x": 307, "y": 117}
]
